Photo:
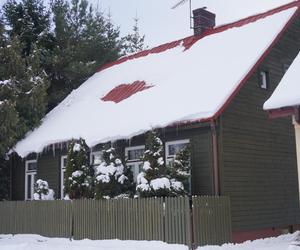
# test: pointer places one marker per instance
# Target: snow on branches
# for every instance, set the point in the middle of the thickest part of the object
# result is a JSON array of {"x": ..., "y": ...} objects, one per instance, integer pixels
[
  {"x": 157, "y": 179},
  {"x": 42, "y": 191},
  {"x": 78, "y": 177},
  {"x": 112, "y": 178}
]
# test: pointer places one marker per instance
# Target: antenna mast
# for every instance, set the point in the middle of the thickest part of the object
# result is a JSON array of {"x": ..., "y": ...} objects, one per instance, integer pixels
[{"x": 190, "y": 10}]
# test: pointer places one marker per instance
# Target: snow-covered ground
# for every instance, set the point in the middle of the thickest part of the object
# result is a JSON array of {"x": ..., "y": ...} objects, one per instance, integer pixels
[
  {"x": 36, "y": 242},
  {"x": 283, "y": 242}
]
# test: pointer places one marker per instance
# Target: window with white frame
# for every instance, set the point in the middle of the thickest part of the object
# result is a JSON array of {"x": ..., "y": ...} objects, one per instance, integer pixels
[
  {"x": 263, "y": 79},
  {"x": 63, "y": 166},
  {"x": 133, "y": 156},
  {"x": 30, "y": 178},
  {"x": 173, "y": 147},
  {"x": 96, "y": 157}
]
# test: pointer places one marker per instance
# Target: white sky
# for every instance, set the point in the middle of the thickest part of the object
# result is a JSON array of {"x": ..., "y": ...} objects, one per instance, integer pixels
[{"x": 161, "y": 24}]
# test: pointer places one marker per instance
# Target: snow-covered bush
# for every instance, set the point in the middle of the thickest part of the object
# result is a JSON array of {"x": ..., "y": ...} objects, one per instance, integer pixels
[
  {"x": 42, "y": 191},
  {"x": 157, "y": 179},
  {"x": 112, "y": 178},
  {"x": 78, "y": 181}
]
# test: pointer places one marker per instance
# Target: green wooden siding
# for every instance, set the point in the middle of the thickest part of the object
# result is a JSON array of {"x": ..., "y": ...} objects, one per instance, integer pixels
[
  {"x": 18, "y": 178},
  {"x": 258, "y": 158},
  {"x": 48, "y": 169}
]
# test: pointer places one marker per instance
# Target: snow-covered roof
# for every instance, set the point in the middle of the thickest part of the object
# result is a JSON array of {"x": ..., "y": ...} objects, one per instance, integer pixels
[
  {"x": 287, "y": 93},
  {"x": 190, "y": 80}
]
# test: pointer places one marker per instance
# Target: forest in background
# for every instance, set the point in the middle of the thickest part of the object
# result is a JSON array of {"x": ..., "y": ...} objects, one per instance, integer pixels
[{"x": 45, "y": 53}]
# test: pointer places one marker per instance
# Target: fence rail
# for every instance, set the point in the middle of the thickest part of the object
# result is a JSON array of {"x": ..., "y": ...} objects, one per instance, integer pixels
[{"x": 202, "y": 220}]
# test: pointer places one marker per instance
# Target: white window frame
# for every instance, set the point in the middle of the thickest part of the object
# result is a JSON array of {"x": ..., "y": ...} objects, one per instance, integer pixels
[
  {"x": 134, "y": 164},
  {"x": 169, "y": 157},
  {"x": 32, "y": 173},
  {"x": 263, "y": 77},
  {"x": 93, "y": 153},
  {"x": 62, "y": 175}
]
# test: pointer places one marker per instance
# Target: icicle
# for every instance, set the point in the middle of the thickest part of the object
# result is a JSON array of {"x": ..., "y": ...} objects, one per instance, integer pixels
[
  {"x": 53, "y": 149},
  {"x": 129, "y": 142}
]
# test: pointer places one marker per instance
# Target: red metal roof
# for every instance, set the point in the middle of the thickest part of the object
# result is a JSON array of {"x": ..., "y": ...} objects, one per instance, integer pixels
[
  {"x": 188, "y": 42},
  {"x": 123, "y": 91}
]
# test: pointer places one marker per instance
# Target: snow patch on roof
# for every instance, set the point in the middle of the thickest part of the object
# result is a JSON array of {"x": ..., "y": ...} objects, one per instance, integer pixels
[
  {"x": 190, "y": 85},
  {"x": 287, "y": 93}
]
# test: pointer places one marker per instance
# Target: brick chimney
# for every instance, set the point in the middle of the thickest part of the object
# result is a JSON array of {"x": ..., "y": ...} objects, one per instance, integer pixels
[{"x": 203, "y": 20}]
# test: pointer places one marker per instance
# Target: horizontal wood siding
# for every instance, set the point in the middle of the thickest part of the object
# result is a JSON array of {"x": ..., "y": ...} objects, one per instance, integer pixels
[
  {"x": 18, "y": 178},
  {"x": 48, "y": 169},
  {"x": 258, "y": 157}
]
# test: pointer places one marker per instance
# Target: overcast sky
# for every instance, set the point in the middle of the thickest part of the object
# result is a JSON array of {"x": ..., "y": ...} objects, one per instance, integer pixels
[{"x": 161, "y": 24}]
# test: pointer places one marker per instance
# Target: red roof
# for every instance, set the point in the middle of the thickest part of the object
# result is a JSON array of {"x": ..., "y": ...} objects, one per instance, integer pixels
[
  {"x": 123, "y": 91},
  {"x": 189, "y": 41}
]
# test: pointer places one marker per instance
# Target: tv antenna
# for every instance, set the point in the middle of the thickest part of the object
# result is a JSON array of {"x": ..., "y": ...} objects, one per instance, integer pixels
[{"x": 182, "y": 2}]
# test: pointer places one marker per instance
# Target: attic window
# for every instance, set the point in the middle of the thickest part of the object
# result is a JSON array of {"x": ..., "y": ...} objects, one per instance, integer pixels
[
  {"x": 124, "y": 91},
  {"x": 263, "y": 79}
]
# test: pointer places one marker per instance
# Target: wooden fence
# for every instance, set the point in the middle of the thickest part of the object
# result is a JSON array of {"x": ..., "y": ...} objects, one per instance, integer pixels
[
  {"x": 211, "y": 220},
  {"x": 48, "y": 218},
  {"x": 200, "y": 221}
]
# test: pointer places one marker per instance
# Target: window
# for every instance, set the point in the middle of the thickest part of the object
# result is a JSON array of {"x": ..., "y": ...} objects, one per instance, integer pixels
[
  {"x": 133, "y": 156},
  {"x": 63, "y": 165},
  {"x": 30, "y": 178},
  {"x": 264, "y": 79},
  {"x": 173, "y": 147},
  {"x": 96, "y": 157}
]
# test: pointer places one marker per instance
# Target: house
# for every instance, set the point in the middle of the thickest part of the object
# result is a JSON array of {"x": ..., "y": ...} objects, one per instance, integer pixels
[
  {"x": 285, "y": 101},
  {"x": 206, "y": 90}
]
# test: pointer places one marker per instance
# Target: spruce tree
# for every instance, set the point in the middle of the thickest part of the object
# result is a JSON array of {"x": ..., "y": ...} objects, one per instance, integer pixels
[
  {"x": 179, "y": 172},
  {"x": 84, "y": 40},
  {"x": 112, "y": 178},
  {"x": 159, "y": 180},
  {"x": 153, "y": 180},
  {"x": 78, "y": 176},
  {"x": 134, "y": 42}
]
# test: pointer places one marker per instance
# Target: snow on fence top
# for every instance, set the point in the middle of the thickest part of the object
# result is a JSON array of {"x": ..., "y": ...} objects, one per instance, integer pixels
[
  {"x": 287, "y": 93},
  {"x": 189, "y": 80}
]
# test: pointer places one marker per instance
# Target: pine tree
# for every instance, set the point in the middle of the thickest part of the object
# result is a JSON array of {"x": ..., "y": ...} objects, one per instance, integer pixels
[
  {"x": 83, "y": 41},
  {"x": 153, "y": 180},
  {"x": 112, "y": 178},
  {"x": 29, "y": 20},
  {"x": 134, "y": 42},
  {"x": 78, "y": 177},
  {"x": 179, "y": 172}
]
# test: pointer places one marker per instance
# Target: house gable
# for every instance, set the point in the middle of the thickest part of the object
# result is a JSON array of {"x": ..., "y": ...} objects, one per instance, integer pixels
[{"x": 257, "y": 155}]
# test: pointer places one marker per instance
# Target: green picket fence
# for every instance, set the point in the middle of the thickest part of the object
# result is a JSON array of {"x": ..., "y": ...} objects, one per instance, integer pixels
[{"x": 196, "y": 222}]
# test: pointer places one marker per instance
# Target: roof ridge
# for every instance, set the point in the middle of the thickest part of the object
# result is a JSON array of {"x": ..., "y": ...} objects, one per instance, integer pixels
[{"x": 189, "y": 41}]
